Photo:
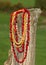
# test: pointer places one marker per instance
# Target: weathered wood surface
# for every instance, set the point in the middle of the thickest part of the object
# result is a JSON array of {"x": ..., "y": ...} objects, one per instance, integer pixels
[{"x": 30, "y": 60}]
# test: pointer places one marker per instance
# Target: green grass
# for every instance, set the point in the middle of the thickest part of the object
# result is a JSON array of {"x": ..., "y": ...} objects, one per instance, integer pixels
[
  {"x": 41, "y": 47},
  {"x": 42, "y": 20},
  {"x": 4, "y": 37},
  {"x": 26, "y": 3},
  {"x": 5, "y": 42},
  {"x": 4, "y": 18}
]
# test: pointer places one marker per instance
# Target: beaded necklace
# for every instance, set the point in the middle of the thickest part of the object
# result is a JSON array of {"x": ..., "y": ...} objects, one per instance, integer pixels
[{"x": 13, "y": 32}]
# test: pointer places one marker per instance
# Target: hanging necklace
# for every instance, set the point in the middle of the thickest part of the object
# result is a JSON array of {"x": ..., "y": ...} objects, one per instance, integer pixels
[{"x": 13, "y": 29}]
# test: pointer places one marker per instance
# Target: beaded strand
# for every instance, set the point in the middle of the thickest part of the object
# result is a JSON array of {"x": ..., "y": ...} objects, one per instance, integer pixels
[{"x": 28, "y": 38}]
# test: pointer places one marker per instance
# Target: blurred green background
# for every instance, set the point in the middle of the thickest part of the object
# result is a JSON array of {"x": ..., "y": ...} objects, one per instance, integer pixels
[{"x": 6, "y": 7}]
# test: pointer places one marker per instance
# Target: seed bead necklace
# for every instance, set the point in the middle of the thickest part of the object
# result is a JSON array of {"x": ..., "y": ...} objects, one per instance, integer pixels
[{"x": 18, "y": 45}]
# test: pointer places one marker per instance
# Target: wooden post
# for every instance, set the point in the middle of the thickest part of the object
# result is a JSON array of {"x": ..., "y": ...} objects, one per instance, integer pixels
[{"x": 30, "y": 60}]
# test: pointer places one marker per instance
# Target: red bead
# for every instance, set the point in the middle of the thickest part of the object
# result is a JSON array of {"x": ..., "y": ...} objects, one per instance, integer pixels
[{"x": 15, "y": 30}]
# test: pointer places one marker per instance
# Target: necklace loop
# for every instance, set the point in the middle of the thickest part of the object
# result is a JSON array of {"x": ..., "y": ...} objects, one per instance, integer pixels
[{"x": 25, "y": 29}]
